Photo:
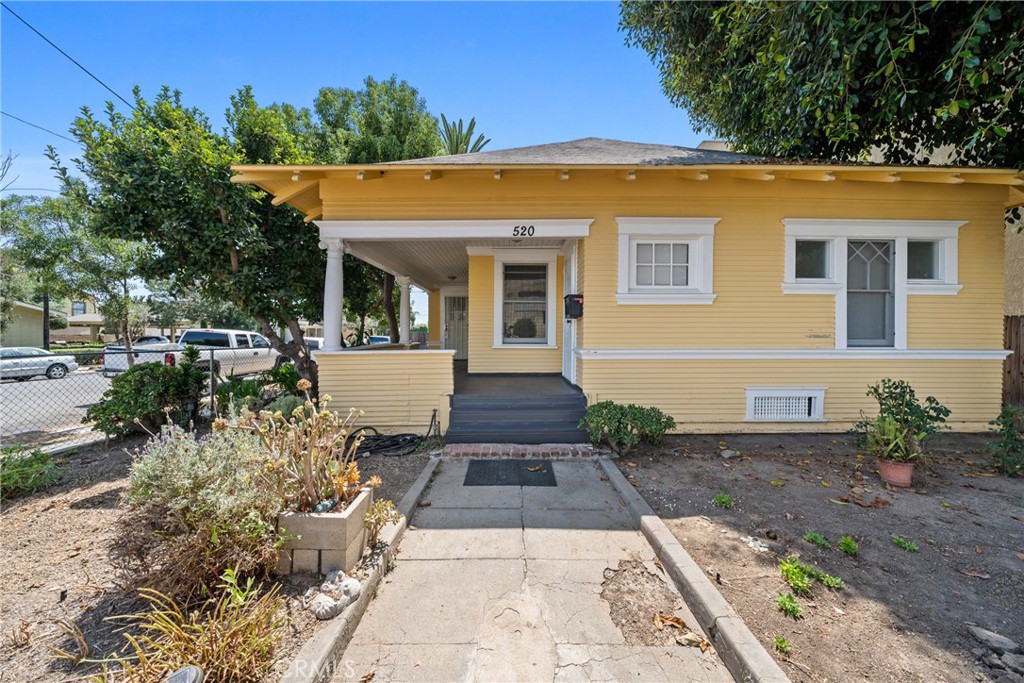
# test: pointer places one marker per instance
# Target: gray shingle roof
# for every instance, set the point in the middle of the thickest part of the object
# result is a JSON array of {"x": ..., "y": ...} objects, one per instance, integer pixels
[{"x": 588, "y": 151}]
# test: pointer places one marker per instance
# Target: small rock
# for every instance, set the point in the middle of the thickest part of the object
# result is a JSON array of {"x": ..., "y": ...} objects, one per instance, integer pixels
[
  {"x": 979, "y": 652},
  {"x": 993, "y": 641},
  {"x": 729, "y": 453},
  {"x": 1010, "y": 677},
  {"x": 1014, "y": 663},
  {"x": 992, "y": 661}
]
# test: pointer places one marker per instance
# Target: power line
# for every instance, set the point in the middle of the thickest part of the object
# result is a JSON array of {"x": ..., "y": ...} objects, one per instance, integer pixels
[
  {"x": 29, "y": 123},
  {"x": 73, "y": 60}
]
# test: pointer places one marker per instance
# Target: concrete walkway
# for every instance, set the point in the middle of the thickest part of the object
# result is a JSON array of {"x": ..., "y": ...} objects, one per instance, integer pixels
[{"x": 504, "y": 584}]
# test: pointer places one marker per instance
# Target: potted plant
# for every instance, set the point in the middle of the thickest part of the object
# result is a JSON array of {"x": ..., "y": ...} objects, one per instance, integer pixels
[
  {"x": 897, "y": 448},
  {"x": 313, "y": 467}
]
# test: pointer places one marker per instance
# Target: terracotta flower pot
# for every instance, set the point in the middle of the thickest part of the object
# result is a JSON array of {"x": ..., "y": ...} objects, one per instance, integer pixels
[{"x": 896, "y": 473}]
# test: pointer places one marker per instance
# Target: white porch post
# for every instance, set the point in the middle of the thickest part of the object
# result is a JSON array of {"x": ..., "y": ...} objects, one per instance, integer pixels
[
  {"x": 334, "y": 292},
  {"x": 403, "y": 317}
]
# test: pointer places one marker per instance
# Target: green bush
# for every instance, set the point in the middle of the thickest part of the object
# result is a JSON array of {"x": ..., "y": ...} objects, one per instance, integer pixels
[
  {"x": 887, "y": 439},
  {"x": 1008, "y": 449},
  {"x": 148, "y": 396},
  {"x": 898, "y": 402},
  {"x": 240, "y": 393},
  {"x": 287, "y": 406},
  {"x": 23, "y": 472},
  {"x": 623, "y": 426},
  {"x": 197, "y": 507},
  {"x": 286, "y": 377}
]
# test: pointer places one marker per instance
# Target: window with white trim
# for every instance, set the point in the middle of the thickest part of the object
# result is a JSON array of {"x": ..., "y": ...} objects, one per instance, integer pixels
[
  {"x": 524, "y": 303},
  {"x": 665, "y": 260},
  {"x": 871, "y": 267}
]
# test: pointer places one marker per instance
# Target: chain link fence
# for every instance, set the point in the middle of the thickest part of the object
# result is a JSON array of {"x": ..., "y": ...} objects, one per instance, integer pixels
[{"x": 44, "y": 396}]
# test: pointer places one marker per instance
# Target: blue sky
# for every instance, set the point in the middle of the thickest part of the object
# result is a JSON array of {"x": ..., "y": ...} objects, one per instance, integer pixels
[{"x": 529, "y": 72}]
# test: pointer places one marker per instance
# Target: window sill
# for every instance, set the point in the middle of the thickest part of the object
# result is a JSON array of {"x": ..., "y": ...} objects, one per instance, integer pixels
[
  {"x": 524, "y": 346},
  {"x": 811, "y": 287},
  {"x": 936, "y": 288},
  {"x": 651, "y": 299}
]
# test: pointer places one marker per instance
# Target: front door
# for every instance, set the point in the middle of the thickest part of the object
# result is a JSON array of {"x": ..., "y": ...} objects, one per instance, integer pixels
[{"x": 456, "y": 325}]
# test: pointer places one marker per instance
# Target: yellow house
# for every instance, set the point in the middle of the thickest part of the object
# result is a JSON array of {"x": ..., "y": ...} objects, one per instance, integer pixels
[{"x": 735, "y": 293}]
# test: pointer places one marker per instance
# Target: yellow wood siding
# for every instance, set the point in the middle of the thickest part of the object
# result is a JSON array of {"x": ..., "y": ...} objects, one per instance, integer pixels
[
  {"x": 434, "y": 317},
  {"x": 710, "y": 395},
  {"x": 483, "y": 357},
  {"x": 396, "y": 390}
]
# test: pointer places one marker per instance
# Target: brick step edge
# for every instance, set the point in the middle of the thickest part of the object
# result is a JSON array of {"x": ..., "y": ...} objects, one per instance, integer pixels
[{"x": 525, "y": 451}]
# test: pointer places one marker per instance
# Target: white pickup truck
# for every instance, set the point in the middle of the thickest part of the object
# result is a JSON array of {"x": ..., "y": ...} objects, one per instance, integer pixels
[{"x": 235, "y": 352}]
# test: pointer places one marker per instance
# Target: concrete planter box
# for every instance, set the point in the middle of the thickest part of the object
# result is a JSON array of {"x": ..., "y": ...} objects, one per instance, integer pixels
[{"x": 327, "y": 541}]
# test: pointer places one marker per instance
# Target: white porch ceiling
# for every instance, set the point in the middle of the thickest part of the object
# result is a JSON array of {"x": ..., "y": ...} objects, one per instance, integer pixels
[{"x": 433, "y": 263}]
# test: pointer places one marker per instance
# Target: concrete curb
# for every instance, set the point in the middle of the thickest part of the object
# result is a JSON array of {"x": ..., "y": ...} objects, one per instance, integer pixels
[
  {"x": 743, "y": 655},
  {"x": 317, "y": 659}
]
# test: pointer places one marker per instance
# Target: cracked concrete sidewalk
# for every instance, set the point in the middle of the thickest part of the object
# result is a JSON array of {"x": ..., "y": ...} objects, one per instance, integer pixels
[{"x": 504, "y": 584}]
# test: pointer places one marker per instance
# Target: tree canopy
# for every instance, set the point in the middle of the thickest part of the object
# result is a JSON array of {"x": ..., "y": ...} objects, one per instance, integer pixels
[{"x": 836, "y": 79}]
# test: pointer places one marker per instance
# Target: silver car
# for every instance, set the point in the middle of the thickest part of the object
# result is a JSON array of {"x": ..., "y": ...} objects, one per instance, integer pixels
[{"x": 24, "y": 362}]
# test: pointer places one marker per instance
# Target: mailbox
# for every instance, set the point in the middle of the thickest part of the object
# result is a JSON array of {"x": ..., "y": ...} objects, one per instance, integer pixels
[{"x": 573, "y": 306}]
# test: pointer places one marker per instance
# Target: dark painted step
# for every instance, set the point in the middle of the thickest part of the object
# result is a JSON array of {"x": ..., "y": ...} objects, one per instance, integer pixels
[
  {"x": 516, "y": 436},
  {"x": 499, "y": 402},
  {"x": 529, "y": 414}
]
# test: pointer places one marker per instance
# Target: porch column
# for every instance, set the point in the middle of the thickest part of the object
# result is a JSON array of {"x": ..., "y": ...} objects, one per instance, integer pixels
[
  {"x": 403, "y": 316},
  {"x": 334, "y": 292}
]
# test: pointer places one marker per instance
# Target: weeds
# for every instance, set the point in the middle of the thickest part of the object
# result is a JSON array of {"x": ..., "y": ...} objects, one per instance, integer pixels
[
  {"x": 783, "y": 645},
  {"x": 801, "y": 577},
  {"x": 848, "y": 545},
  {"x": 381, "y": 513},
  {"x": 788, "y": 605},
  {"x": 1008, "y": 449},
  {"x": 818, "y": 540},
  {"x": 77, "y": 637},
  {"x": 723, "y": 500},
  {"x": 904, "y": 543},
  {"x": 23, "y": 472}
]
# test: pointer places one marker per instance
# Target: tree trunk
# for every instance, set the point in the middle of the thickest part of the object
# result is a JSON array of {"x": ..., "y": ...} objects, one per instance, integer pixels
[
  {"x": 389, "y": 306},
  {"x": 46, "y": 320},
  {"x": 128, "y": 354},
  {"x": 298, "y": 351}
]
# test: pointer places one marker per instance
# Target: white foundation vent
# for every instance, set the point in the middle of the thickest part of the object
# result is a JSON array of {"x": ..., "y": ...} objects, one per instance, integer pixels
[{"x": 785, "y": 404}]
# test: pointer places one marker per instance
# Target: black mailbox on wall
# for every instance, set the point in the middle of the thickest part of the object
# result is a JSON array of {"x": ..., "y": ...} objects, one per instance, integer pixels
[{"x": 573, "y": 306}]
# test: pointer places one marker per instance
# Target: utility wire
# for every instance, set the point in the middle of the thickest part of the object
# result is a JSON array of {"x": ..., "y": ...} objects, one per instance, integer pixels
[
  {"x": 29, "y": 123},
  {"x": 73, "y": 60}
]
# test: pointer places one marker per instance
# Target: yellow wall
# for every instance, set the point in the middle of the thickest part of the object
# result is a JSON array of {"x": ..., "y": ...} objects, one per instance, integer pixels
[
  {"x": 750, "y": 311},
  {"x": 26, "y": 329},
  {"x": 710, "y": 395},
  {"x": 397, "y": 390},
  {"x": 483, "y": 357},
  {"x": 434, "y": 317}
]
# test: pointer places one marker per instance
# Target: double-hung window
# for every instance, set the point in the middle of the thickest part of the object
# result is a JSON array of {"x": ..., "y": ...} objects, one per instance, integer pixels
[
  {"x": 870, "y": 266},
  {"x": 665, "y": 260},
  {"x": 524, "y": 303},
  {"x": 78, "y": 308}
]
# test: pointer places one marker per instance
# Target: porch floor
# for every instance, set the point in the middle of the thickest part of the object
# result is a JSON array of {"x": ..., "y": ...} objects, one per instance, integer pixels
[{"x": 510, "y": 385}]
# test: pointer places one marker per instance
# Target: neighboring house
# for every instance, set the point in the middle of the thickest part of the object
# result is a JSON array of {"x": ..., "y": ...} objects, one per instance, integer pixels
[
  {"x": 735, "y": 293},
  {"x": 26, "y": 326},
  {"x": 84, "y": 321}
]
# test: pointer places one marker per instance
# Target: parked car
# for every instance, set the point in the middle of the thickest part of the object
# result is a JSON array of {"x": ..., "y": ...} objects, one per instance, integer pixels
[
  {"x": 379, "y": 339},
  {"x": 152, "y": 339},
  {"x": 24, "y": 362},
  {"x": 235, "y": 352}
]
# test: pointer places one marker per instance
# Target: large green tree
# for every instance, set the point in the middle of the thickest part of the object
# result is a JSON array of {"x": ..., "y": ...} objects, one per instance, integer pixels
[
  {"x": 835, "y": 79},
  {"x": 59, "y": 241}
]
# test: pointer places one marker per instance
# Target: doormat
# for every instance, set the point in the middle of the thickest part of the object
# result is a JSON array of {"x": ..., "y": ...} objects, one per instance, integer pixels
[{"x": 510, "y": 473}]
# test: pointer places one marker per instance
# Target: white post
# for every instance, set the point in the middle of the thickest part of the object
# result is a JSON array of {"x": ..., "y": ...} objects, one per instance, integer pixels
[
  {"x": 334, "y": 293},
  {"x": 403, "y": 318}
]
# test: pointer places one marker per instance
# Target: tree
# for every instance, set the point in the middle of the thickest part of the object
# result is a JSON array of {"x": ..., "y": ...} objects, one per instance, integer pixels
[
  {"x": 835, "y": 79},
  {"x": 459, "y": 141},
  {"x": 57, "y": 239}
]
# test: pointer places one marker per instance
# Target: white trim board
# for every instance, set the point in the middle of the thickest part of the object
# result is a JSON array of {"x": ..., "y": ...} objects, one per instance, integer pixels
[
  {"x": 792, "y": 354},
  {"x": 542, "y": 228}
]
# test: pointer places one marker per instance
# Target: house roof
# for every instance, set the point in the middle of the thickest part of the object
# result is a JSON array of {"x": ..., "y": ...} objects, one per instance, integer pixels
[{"x": 591, "y": 151}]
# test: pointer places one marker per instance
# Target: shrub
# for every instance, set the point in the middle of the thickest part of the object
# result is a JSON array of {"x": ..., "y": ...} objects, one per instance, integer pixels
[
  {"x": 239, "y": 393},
  {"x": 286, "y": 377},
  {"x": 623, "y": 426},
  {"x": 898, "y": 401},
  {"x": 148, "y": 396},
  {"x": 286, "y": 405},
  {"x": 1008, "y": 449},
  {"x": 312, "y": 464},
  {"x": 232, "y": 638},
  {"x": 197, "y": 507},
  {"x": 23, "y": 472}
]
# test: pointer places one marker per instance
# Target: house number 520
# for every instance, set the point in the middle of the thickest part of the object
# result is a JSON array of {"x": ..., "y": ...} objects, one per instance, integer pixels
[{"x": 522, "y": 231}]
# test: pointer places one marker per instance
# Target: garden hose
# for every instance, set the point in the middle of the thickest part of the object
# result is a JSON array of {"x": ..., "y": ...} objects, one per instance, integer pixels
[{"x": 390, "y": 444}]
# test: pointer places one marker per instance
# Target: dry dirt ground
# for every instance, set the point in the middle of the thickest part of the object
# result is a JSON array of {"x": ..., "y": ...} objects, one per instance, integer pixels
[
  {"x": 901, "y": 616},
  {"x": 56, "y": 576}
]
